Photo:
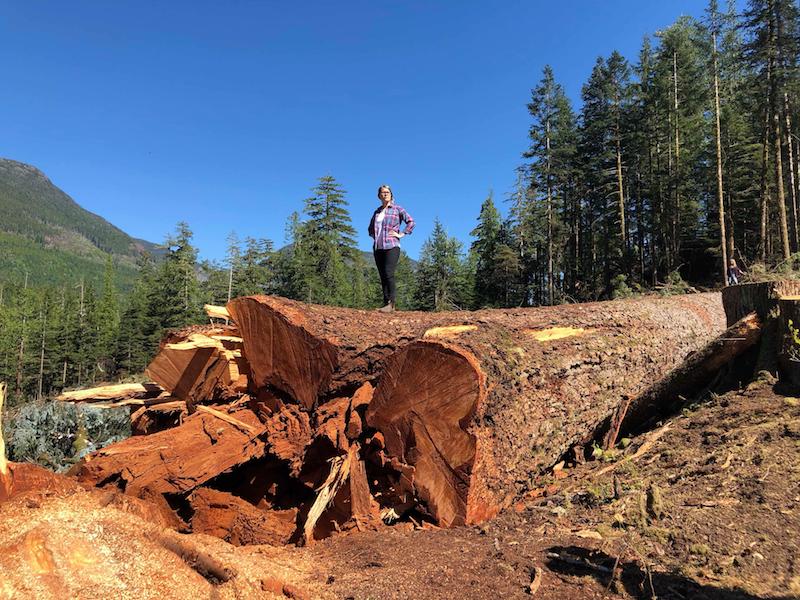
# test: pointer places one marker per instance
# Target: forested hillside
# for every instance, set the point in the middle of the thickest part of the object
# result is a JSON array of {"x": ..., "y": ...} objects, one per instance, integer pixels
[{"x": 48, "y": 238}]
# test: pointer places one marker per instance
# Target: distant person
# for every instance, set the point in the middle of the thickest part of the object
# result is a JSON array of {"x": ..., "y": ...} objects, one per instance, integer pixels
[
  {"x": 384, "y": 229},
  {"x": 734, "y": 272}
]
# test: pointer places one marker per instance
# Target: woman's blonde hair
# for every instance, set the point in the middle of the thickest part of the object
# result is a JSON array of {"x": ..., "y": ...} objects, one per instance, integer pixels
[{"x": 385, "y": 187}]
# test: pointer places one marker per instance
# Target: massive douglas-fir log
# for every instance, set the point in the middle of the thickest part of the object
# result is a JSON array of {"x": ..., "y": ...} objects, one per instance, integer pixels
[
  {"x": 470, "y": 413},
  {"x": 469, "y": 408}
]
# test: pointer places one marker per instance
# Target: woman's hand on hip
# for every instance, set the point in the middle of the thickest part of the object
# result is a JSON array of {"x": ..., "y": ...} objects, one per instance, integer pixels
[{"x": 396, "y": 234}]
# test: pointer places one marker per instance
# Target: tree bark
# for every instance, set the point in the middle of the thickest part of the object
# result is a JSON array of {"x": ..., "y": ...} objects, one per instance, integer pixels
[
  {"x": 468, "y": 419},
  {"x": 692, "y": 375}
]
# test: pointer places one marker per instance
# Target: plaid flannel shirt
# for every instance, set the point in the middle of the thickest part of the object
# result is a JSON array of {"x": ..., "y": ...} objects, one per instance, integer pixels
[{"x": 395, "y": 214}]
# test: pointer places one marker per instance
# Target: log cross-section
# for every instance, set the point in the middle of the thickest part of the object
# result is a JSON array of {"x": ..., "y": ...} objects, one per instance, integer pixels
[
  {"x": 305, "y": 351},
  {"x": 282, "y": 353},
  {"x": 421, "y": 412}
]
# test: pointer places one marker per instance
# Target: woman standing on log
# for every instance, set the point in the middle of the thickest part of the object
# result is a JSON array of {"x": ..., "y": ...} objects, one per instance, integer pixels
[{"x": 384, "y": 229}]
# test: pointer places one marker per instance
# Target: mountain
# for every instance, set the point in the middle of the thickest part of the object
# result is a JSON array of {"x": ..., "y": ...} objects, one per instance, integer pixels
[{"x": 46, "y": 234}]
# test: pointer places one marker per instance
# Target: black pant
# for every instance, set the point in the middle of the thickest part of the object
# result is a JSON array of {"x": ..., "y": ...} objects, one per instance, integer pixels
[{"x": 386, "y": 261}]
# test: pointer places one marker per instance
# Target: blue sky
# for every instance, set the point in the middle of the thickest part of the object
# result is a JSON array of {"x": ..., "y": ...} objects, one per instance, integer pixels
[{"x": 224, "y": 114}]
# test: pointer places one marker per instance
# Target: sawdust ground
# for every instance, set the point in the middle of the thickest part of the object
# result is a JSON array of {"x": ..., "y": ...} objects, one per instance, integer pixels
[{"x": 708, "y": 508}]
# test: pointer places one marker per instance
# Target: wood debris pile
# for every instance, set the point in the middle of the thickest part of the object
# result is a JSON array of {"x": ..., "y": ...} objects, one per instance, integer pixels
[{"x": 295, "y": 421}]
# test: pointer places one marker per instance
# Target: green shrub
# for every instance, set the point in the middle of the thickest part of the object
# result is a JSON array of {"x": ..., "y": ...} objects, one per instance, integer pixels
[{"x": 57, "y": 434}]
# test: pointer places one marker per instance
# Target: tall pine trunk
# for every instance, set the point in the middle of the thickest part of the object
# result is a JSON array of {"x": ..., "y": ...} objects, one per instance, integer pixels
[
  {"x": 792, "y": 178},
  {"x": 720, "y": 190},
  {"x": 764, "y": 194},
  {"x": 676, "y": 222},
  {"x": 776, "y": 134},
  {"x": 550, "y": 291}
]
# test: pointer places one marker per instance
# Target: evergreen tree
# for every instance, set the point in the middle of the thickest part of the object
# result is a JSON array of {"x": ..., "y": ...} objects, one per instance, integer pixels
[
  {"x": 108, "y": 320},
  {"x": 255, "y": 268},
  {"x": 139, "y": 330},
  {"x": 323, "y": 247},
  {"x": 174, "y": 301},
  {"x": 488, "y": 291},
  {"x": 551, "y": 171},
  {"x": 441, "y": 281}
]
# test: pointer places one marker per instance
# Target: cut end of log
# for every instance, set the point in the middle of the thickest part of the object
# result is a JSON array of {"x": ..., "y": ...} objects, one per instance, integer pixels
[
  {"x": 423, "y": 404},
  {"x": 281, "y": 352}
]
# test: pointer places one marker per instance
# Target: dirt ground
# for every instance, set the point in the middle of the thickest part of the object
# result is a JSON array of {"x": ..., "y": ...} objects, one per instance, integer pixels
[{"x": 707, "y": 505}]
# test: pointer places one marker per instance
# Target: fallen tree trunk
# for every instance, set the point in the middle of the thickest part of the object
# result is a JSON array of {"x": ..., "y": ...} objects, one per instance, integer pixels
[
  {"x": 471, "y": 414},
  {"x": 304, "y": 351},
  {"x": 693, "y": 374},
  {"x": 468, "y": 409}
]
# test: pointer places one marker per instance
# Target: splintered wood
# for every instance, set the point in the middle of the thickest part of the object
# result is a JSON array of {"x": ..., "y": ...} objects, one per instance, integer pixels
[
  {"x": 177, "y": 460},
  {"x": 117, "y": 393},
  {"x": 298, "y": 421},
  {"x": 200, "y": 368}
]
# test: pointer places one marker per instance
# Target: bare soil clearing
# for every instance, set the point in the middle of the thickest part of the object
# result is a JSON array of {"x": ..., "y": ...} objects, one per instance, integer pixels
[{"x": 727, "y": 525}]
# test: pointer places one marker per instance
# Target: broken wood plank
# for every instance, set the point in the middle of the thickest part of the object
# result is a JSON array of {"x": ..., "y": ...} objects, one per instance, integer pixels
[
  {"x": 198, "y": 368},
  {"x": 176, "y": 460},
  {"x": 217, "y": 312},
  {"x": 115, "y": 392}
]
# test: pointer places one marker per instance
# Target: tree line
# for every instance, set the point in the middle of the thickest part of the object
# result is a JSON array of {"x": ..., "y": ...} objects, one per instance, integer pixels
[{"x": 673, "y": 164}]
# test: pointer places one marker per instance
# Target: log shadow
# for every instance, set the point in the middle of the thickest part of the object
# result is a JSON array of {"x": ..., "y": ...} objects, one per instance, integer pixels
[
  {"x": 633, "y": 579},
  {"x": 664, "y": 404}
]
